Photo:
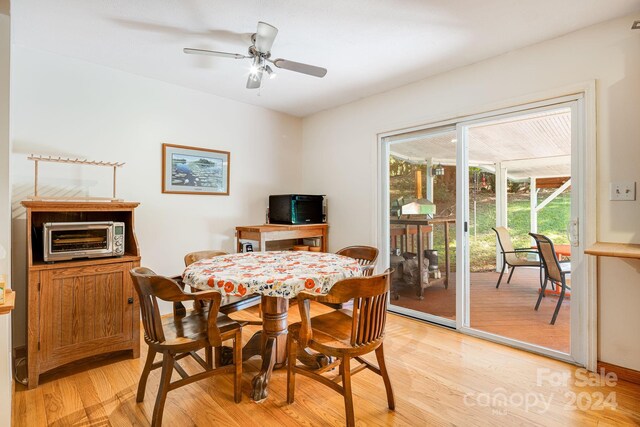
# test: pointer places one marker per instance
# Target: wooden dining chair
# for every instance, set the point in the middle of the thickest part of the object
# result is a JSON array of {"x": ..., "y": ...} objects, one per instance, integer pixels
[
  {"x": 192, "y": 257},
  {"x": 554, "y": 271},
  {"x": 343, "y": 336},
  {"x": 366, "y": 257},
  {"x": 510, "y": 254},
  {"x": 181, "y": 336},
  {"x": 229, "y": 304}
]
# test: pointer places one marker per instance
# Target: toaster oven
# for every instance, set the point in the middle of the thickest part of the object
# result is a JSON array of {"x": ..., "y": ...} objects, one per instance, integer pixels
[{"x": 63, "y": 241}]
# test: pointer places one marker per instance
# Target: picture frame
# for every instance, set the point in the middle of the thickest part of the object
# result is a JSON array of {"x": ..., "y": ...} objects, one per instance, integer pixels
[{"x": 195, "y": 170}]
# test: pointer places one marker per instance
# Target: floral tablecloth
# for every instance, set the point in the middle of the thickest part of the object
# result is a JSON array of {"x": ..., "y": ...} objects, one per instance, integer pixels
[{"x": 276, "y": 273}]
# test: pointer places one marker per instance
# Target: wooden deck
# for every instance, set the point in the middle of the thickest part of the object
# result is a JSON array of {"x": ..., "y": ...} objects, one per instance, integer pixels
[
  {"x": 506, "y": 311},
  {"x": 440, "y": 377}
]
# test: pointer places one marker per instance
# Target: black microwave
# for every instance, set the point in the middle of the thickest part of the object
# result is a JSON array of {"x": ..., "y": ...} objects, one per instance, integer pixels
[{"x": 297, "y": 209}]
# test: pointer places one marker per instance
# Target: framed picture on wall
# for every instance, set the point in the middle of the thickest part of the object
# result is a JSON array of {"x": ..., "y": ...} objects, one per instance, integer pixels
[{"x": 193, "y": 170}]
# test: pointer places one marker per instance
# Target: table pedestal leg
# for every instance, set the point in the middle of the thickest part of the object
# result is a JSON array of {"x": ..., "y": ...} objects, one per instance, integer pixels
[
  {"x": 274, "y": 343},
  {"x": 252, "y": 348},
  {"x": 261, "y": 381},
  {"x": 313, "y": 360}
]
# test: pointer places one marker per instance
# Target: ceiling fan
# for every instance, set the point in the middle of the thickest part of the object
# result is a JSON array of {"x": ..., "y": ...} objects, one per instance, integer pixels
[{"x": 260, "y": 53}]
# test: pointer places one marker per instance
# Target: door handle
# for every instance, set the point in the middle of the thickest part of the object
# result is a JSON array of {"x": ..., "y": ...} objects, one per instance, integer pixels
[{"x": 573, "y": 232}]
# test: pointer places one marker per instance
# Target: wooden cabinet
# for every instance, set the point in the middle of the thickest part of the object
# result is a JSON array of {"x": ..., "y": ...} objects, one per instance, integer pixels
[
  {"x": 276, "y": 232},
  {"x": 80, "y": 308}
]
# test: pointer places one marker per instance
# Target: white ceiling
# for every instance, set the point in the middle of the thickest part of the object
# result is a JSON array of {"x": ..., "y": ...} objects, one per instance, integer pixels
[{"x": 368, "y": 46}]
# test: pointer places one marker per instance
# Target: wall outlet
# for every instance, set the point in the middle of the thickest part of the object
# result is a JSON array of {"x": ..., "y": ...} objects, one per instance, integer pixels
[{"x": 623, "y": 191}]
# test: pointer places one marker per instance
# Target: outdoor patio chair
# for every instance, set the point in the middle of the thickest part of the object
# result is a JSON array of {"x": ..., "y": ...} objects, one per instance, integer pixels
[
  {"x": 510, "y": 255},
  {"x": 554, "y": 270}
]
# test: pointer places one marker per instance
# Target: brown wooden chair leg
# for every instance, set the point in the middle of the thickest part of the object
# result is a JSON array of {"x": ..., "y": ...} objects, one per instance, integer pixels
[
  {"x": 385, "y": 376},
  {"x": 217, "y": 356},
  {"x": 208, "y": 357},
  {"x": 237, "y": 360},
  {"x": 142, "y": 385},
  {"x": 167, "y": 369},
  {"x": 348, "y": 396},
  {"x": 292, "y": 347}
]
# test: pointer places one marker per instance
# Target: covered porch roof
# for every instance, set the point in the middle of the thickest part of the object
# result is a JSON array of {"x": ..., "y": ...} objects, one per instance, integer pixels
[{"x": 532, "y": 146}]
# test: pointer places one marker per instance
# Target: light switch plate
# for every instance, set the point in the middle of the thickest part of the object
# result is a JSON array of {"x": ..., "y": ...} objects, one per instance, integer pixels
[{"x": 623, "y": 191}]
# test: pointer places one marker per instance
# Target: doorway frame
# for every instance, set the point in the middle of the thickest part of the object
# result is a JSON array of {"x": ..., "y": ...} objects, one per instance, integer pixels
[{"x": 584, "y": 155}]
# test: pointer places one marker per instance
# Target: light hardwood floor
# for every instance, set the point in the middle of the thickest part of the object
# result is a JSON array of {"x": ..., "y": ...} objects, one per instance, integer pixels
[{"x": 440, "y": 377}]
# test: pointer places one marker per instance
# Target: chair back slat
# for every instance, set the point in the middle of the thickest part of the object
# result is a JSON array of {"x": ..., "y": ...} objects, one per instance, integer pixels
[
  {"x": 151, "y": 319},
  {"x": 365, "y": 255},
  {"x": 192, "y": 257},
  {"x": 355, "y": 316},
  {"x": 549, "y": 257},
  {"x": 371, "y": 319},
  {"x": 369, "y": 296}
]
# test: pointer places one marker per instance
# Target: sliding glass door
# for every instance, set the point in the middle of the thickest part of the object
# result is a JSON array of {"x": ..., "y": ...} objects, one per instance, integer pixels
[
  {"x": 459, "y": 202},
  {"x": 517, "y": 180},
  {"x": 422, "y": 193}
]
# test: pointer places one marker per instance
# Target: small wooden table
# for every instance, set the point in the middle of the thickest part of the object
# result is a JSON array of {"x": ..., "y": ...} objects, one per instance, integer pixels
[
  {"x": 272, "y": 232},
  {"x": 278, "y": 276}
]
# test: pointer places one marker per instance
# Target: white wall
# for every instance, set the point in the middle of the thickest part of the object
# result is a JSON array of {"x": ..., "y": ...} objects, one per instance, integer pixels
[
  {"x": 62, "y": 106},
  {"x": 340, "y": 153},
  {"x": 5, "y": 220}
]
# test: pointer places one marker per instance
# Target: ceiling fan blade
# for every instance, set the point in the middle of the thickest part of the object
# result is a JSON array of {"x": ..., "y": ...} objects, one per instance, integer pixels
[
  {"x": 265, "y": 36},
  {"x": 253, "y": 81},
  {"x": 213, "y": 53},
  {"x": 299, "y": 67}
]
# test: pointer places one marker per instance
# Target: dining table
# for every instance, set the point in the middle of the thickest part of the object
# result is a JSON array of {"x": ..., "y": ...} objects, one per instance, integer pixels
[{"x": 278, "y": 276}]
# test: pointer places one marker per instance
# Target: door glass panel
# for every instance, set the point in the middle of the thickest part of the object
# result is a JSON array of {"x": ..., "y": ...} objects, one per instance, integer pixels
[
  {"x": 519, "y": 182},
  {"x": 67, "y": 240},
  {"x": 422, "y": 184}
]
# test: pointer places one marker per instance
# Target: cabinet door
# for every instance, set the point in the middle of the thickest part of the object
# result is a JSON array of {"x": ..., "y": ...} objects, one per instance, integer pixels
[{"x": 84, "y": 311}]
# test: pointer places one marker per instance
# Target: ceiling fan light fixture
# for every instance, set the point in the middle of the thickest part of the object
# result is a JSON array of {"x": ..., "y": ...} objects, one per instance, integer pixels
[
  {"x": 270, "y": 72},
  {"x": 256, "y": 66}
]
